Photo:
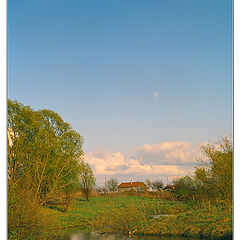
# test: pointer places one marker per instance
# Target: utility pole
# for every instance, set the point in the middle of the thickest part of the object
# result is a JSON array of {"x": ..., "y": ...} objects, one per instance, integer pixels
[
  {"x": 167, "y": 180},
  {"x": 105, "y": 186}
]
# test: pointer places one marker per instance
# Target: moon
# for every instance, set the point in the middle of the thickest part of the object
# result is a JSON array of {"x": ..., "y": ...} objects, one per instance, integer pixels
[{"x": 155, "y": 94}]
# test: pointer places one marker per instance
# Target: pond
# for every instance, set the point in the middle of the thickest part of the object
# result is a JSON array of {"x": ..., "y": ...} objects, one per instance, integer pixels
[{"x": 80, "y": 234}]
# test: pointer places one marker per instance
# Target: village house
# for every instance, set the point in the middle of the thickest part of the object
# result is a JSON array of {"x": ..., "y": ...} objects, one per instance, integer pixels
[
  {"x": 170, "y": 188},
  {"x": 132, "y": 187}
]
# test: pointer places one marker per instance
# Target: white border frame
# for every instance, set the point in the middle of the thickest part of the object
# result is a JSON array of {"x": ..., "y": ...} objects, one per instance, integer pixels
[
  {"x": 236, "y": 121},
  {"x": 3, "y": 118}
]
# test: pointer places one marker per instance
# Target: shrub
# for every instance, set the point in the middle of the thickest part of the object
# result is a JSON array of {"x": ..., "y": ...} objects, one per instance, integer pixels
[
  {"x": 119, "y": 219},
  {"x": 186, "y": 188},
  {"x": 215, "y": 171},
  {"x": 26, "y": 218}
]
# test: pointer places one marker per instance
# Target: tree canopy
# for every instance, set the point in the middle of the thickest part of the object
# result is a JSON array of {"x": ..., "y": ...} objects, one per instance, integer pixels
[
  {"x": 157, "y": 185},
  {"x": 215, "y": 171},
  {"x": 112, "y": 184},
  {"x": 43, "y": 148},
  {"x": 213, "y": 176},
  {"x": 87, "y": 179}
]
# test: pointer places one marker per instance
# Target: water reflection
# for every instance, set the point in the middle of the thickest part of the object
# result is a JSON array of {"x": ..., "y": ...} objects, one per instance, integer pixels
[{"x": 87, "y": 235}]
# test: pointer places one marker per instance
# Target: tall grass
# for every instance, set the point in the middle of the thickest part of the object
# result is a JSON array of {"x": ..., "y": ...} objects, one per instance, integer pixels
[
  {"x": 130, "y": 215},
  {"x": 120, "y": 219}
]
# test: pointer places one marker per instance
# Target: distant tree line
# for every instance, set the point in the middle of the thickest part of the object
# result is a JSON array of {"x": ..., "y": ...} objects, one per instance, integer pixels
[
  {"x": 156, "y": 185},
  {"x": 112, "y": 185}
]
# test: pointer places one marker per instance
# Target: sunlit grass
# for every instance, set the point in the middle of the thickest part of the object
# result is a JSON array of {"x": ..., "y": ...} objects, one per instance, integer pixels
[{"x": 126, "y": 213}]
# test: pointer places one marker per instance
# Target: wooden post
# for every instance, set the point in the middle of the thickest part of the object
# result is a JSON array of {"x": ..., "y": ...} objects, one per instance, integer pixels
[{"x": 105, "y": 186}]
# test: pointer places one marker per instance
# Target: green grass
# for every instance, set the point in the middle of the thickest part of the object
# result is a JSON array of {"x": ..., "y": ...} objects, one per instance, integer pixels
[
  {"x": 81, "y": 212},
  {"x": 126, "y": 213},
  {"x": 215, "y": 223}
]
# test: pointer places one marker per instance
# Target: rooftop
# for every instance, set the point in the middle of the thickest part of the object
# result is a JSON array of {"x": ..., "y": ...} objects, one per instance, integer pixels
[{"x": 131, "y": 184}]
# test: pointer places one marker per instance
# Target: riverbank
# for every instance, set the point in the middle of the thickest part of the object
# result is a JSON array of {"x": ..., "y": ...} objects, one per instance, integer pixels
[{"x": 131, "y": 213}]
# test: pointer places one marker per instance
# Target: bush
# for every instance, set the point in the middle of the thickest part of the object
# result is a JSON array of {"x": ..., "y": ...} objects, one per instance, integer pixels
[
  {"x": 186, "y": 188},
  {"x": 119, "y": 219},
  {"x": 213, "y": 176},
  {"x": 26, "y": 218},
  {"x": 215, "y": 172}
]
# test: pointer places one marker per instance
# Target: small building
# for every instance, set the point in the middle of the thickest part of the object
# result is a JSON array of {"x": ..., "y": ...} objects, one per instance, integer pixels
[
  {"x": 132, "y": 187},
  {"x": 170, "y": 188}
]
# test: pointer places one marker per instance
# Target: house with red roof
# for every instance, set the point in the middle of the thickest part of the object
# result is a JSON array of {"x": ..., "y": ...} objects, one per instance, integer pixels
[{"x": 132, "y": 187}]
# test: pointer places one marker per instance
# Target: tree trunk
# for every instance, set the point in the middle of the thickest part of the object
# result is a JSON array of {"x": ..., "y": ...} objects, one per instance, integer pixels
[{"x": 87, "y": 196}]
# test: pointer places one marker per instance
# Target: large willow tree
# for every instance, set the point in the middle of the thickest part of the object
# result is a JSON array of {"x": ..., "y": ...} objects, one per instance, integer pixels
[{"x": 44, "y": 151}]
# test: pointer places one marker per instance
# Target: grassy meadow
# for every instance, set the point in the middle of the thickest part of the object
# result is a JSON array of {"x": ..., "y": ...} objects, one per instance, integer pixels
[{"x": 124, "y": 214}]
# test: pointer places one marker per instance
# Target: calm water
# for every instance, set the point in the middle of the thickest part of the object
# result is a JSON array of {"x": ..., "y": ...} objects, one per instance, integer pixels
[{"x": 79, "y": 234}]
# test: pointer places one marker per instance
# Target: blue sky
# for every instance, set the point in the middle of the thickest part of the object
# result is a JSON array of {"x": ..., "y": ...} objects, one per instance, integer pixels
[{"x": 97, "y": 63}]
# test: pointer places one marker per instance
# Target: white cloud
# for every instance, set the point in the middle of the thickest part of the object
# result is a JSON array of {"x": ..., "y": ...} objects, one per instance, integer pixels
[
  {"x": 106, "y": 162},
  {"x": 156, "y": 160},
  {"x": 115, "y": 163},
  {"x": 167, "y": 153},
  {"x": 138, "y": 168}
]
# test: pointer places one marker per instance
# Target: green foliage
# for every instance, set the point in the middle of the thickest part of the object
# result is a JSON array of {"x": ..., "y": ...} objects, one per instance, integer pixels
[
  {"x": 43, "y": 166},
  {"x": 213, "y": 176},
  {"x": 186, "y": 188},
  {"x": 26, "y": 218},
  {"x": 119, "y": 219},
  {"x": 214, "y": 173},
  {"x": 87, "y": 179},
  {"x": 46, "y": 149}
]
